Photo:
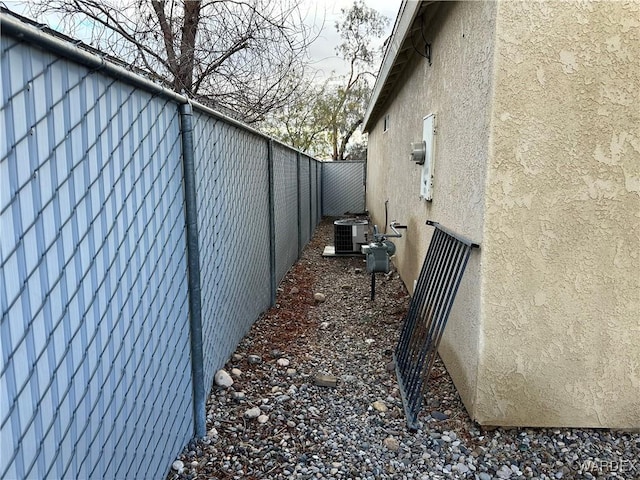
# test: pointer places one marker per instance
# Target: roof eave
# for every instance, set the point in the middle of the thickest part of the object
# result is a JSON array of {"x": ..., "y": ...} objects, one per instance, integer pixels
[{"x": 392, "y": 61}]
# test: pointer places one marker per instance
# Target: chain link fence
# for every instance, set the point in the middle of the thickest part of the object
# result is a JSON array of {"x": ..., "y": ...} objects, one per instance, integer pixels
[
  {"x": 97, "y": 377},
  {"x": 93, "y": 277},
  {"x": 233, "y": 215},
  {"x": 343, "y": 189}
]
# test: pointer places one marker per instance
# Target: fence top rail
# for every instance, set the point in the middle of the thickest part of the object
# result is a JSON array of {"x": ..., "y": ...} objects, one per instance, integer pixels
[{"x": 27, "y": 30}]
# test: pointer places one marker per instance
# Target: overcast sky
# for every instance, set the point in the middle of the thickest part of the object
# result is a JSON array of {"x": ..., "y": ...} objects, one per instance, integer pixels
[
  {"x": 323, "y": 50},
  {"x": 322, "y": 14}
]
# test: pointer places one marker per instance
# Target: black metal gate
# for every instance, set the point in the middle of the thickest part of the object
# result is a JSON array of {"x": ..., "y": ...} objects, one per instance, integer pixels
[{"x": 429, "y": 310}]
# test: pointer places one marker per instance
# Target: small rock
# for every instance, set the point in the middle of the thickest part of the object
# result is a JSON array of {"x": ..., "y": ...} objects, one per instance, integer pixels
[
  {"x": 504, "y": 472},
  {"x": 223, "y": 379},
  {"x": 283, "y": 362},
  {"x": 369, "y": 341},
  {"x": 236, "y": 372},
  {"x": 236, "y": 357},
  {"x": 291, "y": 424},
  {"x": 391, "y": 444},
  {"x": 325, "y": 380},
  {"x": 380, "y": 406},
  {"x": 263, "y": 418},
  {"x": 446, "y": 438},
  {"x": 275, "y": 353},
  {"x": 347, "y": 287},
  {"x": 484, "y": 476},
  {"x": 462, "y": 468},
  {"x": 238, "y": 396},
  {"x": 294, "y": 290},
  {"x": 291, "y": 371},
  {"x": 391, "y": 366},
  {"x": 178, "y": 466},
  {"x": 358, "y": 270},
  {"x": 439, "y": 415},
  {"x": 213, "y": 433},
  {"x": 324, "y": 325},
  {"x": 253, "y": 412},
  {"x": 254, "y": 359},
  {"x": 319, "y": 297}
]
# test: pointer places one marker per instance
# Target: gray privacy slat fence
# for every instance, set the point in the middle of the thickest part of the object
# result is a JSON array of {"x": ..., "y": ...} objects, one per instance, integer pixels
[
  {"x": 93, "y": 277},
  {"x": 233, "y": 196},
  {"x": 96, "y": 375},
  {"x": 286, "y": 208},
  {"x": 343, "y": 188},
  {"x": 305, "y": 182}
]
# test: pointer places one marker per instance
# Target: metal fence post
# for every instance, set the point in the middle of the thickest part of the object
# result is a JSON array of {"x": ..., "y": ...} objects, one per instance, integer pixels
[
  {"x": 272, "y": 222},
  {"x": 193, "y": 270},
  {"x": 310, "y": 225},
  {"x": 299, "y": 202}
]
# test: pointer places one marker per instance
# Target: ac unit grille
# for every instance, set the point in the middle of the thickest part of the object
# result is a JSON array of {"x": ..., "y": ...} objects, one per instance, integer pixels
[{"x": 349, "y": 234}]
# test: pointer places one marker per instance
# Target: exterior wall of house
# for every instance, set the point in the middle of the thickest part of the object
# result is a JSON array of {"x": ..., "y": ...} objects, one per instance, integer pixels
[
  {"x": 561, "y": 243},
  {"x": 457, "y": 88}
]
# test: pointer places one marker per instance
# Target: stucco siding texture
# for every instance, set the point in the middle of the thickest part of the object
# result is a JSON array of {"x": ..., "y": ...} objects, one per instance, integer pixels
[
  {"x": 561, "y": 243},
  {"x": 457, "y": 88}
]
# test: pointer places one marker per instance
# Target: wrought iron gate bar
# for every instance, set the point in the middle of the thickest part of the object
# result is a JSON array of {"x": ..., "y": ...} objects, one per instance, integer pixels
[{"x": 429, "y": 310}]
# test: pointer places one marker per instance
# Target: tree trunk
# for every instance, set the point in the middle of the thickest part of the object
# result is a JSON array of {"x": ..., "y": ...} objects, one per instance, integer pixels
[
  {"x": 184, "y": 78},
  {"x": 347, "y": 137}
]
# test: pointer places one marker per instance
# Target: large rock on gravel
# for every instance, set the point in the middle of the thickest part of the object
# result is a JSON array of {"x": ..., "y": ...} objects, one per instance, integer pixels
[
  {"x": 380, "y": 406},
  {"x": 323, "y": 380},
  {"x": 254, "y": 359},
  {"x": 223, "y": 379},
  {"x": 319, "y": 297},
  {"x": 253, "y": 413},
  {"x": 391, "y": 444}
]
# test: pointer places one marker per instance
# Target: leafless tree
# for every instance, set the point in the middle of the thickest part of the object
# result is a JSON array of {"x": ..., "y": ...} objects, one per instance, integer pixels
[
  {"x": 326, "y": 122},
  {"x": 236, "y": 54}
]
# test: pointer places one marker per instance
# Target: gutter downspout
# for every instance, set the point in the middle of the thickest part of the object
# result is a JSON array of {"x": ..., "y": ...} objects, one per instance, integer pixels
[{"x": 193, "y": 271}]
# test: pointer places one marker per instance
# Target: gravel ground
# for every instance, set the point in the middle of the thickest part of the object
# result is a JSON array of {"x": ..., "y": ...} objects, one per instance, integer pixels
[{"x": 274, "y": 422}]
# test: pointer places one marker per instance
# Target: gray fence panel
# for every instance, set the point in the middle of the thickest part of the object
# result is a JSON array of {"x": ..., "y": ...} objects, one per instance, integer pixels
[
  {"x": 233, "y": 198},
  {"x": 305, "y": 200},
  {"x": 320, "y": 189},
  {"x": 94, "y": 380},
  {"x": 286, "y": 208},
  {"x": 342, "y": 188},
  {"x": 315, "y": 194}
]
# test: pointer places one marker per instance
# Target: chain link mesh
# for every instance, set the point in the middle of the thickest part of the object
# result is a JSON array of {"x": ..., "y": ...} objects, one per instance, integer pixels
[
  {"x": 233, "y": 213},
  {"x": 316, "y": 203},
  {"x": 343, "y": 188},
  {"x": 95, "y": 379},
  {"x": 93, "y": 278},
  {"x": 304, "y": 201},
  {"x": 286, "y": 208}
]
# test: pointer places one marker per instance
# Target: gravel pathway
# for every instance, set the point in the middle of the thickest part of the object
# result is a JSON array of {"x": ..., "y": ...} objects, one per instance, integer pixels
[{"x": 274, "y": 422}]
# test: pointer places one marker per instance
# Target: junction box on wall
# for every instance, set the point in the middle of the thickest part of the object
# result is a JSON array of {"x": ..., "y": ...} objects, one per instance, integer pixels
[{"x": 422, "y": 154}]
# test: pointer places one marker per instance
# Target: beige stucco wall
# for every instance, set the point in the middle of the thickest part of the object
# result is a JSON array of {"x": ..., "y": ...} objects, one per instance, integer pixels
[
  {"x": 560, "y": 343},
  {"x": 457, "y": 88}
]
